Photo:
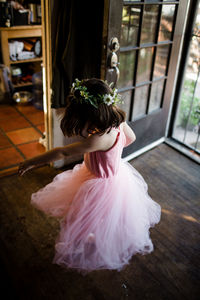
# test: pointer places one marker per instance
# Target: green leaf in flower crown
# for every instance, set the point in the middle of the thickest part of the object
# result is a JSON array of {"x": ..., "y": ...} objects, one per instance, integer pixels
[{"x": 92, "y": 103}]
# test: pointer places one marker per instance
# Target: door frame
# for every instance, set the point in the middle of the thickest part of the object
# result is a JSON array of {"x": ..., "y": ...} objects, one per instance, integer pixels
[
  {"x": 180, "y": 80},
  {"x": 47, "y": 71}
]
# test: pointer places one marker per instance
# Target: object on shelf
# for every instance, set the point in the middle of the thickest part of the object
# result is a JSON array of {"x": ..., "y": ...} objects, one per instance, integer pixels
[
  {"x": 21, "y": 17},
  {"x": 15, "y": 47},
  {"x": 39, "y": 13},
  {"x": 6, "y": 14},
  {"x": 35, "y": 13},
  {"x": 23, "y": 97},
  {"x": 25, "y": 49},
  {"x": 27, "y": 78},
  {"x": 29, "y": 44},
  {"x": 34, "y": 45},
  {"x": 23, "y": 55},
  {"x": 37, "y": 90},
  {"x": 21, "y": 76},
  {"x": 16, "y": 73},
  {"x": 38, "y": 48}
]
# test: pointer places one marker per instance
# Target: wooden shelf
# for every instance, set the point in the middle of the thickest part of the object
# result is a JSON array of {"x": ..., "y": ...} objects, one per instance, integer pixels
[
  {"x": 22, "y": 84},
  {"x": 25, "y": 61},
  {"x": 23, "y": 27},
  {"x": 16, "y": 32}
]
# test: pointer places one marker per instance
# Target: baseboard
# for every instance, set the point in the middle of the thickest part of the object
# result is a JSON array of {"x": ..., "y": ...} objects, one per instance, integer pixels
[
  {"x": 143, "y": 150},
  {"x": 187, "y": 152}
]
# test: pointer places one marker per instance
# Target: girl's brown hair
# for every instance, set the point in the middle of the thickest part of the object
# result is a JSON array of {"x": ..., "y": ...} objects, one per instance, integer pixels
[{"x": 81, "y": 115}]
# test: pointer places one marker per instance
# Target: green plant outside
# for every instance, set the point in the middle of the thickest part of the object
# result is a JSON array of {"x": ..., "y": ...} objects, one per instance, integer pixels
[{"x": 185, "y": 104}]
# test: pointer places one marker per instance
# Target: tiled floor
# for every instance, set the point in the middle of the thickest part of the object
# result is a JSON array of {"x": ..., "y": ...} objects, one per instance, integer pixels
[{"x": 20, "y": 130}]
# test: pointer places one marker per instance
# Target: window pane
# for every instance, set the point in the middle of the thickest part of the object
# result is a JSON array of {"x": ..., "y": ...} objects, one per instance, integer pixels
[
  {"x": 126, "y": 67},
  {"x": 156, "y": 95},
  {"x": 192, "y": 133},
  {"x": 126, "y": 97},
  {"x": 140, "y": 101},
  {"x": 144, "y": 64},
  {"x": 187, "y": 125},
  {"x": 166, "y": 25},
  {"x": 130, "y": 25},
  {"x": 161, "y": 61},
  {"x": 149, "y": 24}
]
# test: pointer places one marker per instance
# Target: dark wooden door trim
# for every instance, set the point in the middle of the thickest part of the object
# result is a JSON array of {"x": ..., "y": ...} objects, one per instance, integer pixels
[{"x": 192, "y": 10}]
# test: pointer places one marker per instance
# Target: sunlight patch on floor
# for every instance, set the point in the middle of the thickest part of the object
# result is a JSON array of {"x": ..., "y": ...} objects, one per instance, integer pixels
[{"x": 186, "y": 217}]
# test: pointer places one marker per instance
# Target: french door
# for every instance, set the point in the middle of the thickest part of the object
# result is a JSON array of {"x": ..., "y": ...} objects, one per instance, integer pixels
[{"x": 149, "y": 33}]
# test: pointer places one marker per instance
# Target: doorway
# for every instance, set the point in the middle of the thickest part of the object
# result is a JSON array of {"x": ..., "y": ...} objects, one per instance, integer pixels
[{"x": 150, "y": 38}]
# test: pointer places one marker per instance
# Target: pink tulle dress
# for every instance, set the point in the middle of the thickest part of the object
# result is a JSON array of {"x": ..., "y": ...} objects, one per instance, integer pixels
[{"x": 105, "y": 208}]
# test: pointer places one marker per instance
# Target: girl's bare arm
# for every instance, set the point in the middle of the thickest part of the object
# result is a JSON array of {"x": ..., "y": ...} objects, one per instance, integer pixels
[
  {"x": 90, "y": 144},
  {"x": 130, "y": 135}
]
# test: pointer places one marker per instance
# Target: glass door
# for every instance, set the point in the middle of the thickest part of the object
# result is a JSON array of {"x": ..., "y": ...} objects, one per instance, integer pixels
[{"x": 149, "y": 34}]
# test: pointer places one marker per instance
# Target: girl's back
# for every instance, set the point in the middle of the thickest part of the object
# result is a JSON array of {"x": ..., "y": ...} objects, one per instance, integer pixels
[{"x": 105, "y": 163}]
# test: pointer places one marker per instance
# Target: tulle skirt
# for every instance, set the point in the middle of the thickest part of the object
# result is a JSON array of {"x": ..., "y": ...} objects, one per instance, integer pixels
[{"x": 104, "y": 221}]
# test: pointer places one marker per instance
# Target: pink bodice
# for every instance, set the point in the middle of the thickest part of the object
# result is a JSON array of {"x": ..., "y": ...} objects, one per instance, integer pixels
[{"x": 106, "y": 163}]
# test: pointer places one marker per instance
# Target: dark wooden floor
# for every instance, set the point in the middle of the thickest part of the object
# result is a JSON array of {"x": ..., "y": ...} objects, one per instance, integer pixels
[{"x": 170, "y": 272}]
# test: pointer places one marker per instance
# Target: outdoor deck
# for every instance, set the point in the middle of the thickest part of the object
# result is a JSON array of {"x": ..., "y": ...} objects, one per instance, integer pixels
[{"x": 170, "y": 272}]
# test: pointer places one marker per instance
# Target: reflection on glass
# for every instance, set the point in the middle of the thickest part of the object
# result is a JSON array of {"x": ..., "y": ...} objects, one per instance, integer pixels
[
  {"x": 144, "y": 64},
  {"x": 130, "y": 25},
  {"x": 166, "y": 25},
  {"x": 192, "y": 135},
  {"x": 126, "y": 97},
  {"x": 161, "y": 61},
  {"x": 149, "y": 24},
  {"x": 126, "y": 67},
  {"x": 140, "y": 101},
  {"x": 156, "y": 95}
]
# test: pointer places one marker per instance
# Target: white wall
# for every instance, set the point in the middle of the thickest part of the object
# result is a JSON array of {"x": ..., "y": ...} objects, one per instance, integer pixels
[{"x": 60, "y": 140}]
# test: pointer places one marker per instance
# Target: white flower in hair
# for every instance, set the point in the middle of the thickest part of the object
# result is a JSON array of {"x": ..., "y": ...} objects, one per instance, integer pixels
[
  {"x": 108, "y": 99},
  {"x": 76, "y": 84}
]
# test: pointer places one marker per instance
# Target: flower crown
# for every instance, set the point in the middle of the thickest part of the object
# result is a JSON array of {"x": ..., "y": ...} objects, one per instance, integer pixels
[{"x": 108, "y": 99}]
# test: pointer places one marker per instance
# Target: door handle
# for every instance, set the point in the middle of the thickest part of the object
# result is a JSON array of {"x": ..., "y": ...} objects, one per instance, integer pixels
[
  {"x": 114, "y": 44},
  {"x": 113, "y": 72}
]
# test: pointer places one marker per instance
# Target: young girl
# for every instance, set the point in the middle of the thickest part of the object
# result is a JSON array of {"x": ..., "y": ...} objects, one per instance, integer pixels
[{"x": 103, "y": 203}]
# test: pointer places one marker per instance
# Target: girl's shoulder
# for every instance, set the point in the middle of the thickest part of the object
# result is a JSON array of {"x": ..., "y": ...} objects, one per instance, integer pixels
[{"x": 103, "y": 142}]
